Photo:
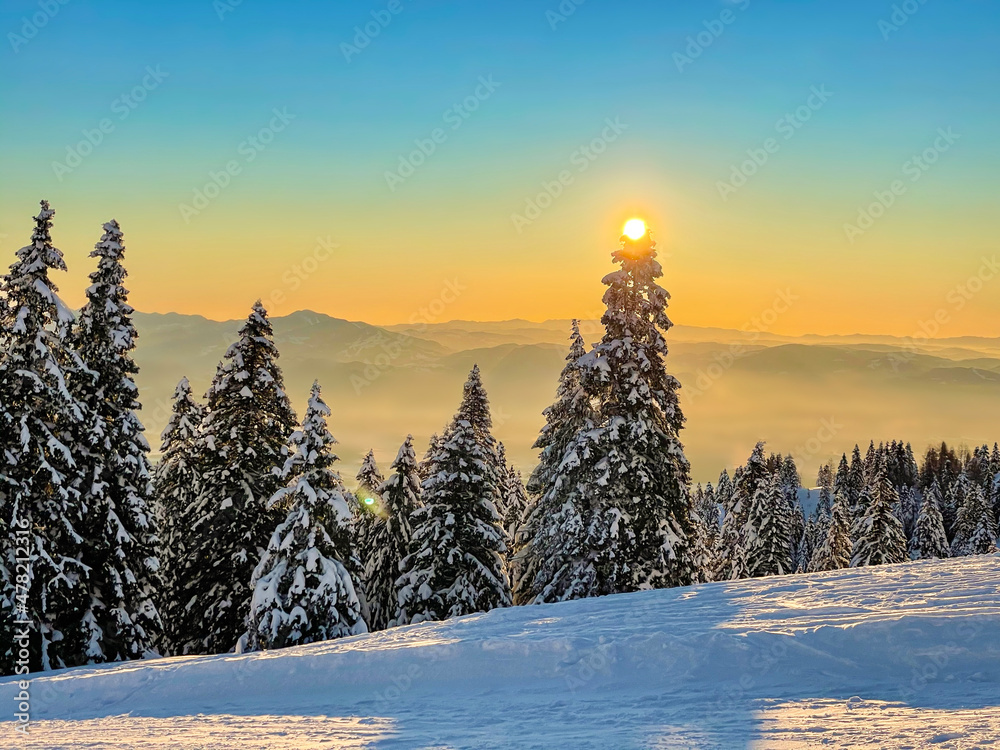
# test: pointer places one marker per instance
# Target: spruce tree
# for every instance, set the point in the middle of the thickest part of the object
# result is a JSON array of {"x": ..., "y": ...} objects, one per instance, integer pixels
[
  {"x": 302, "y": 590},
  {"x": 825, "y": 483},
  {"x": 708, "y": 510},
  {"x": 175, "y": 482},
  {"x": 929, "y": 539},
  {"x": 120, "y": 530},
  {"x": 242, "y": 449},
  {"x": 455, "y": 561},
  {"x": 975, "y": 528},
  {"x": 571, "y": 414},
  {"x": 765, "y": 538},
  {"x": 513, "y": 502},
  {"x": 425, "y": 468},
  {"x": 400, "y": 495},
  {"x": 857, "y": 481},
  {"x": 842, "y": 484},
  {"x": 879, "y": 534},
  {"x": 42, "y": 448},
  {"x": 753, "y": 479},
  {"x": 623, "y": 485},
  {"x": 834, "y": 551},
  {"x": 367, "y": 517}
]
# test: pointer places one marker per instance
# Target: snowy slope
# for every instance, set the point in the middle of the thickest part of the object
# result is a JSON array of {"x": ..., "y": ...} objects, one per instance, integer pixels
[{"x": 895, "y": 656}]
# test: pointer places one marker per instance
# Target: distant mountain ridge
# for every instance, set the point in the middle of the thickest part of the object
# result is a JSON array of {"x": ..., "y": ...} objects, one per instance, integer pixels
[{"x": 384, "y": 382}]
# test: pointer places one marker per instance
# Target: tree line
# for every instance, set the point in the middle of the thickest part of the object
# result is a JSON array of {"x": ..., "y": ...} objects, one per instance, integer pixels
[{"x": 244, "y": 536}]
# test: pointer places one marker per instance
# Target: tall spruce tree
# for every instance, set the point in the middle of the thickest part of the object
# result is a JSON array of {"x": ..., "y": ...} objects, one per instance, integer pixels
[
  {"x": 571, "y": 414},
  {"x": 400, "y": 495},
  {"x": 753, "y": 480},
  {"x": 242, "y": 449},
  {"x": 834, "y": 551},
  {"x": 368, "y": 514},
  {"x": 765, "y": 537},
  {"x": 455, "y": 561},
  {"x": 621, "y": 500},
  {"x": 302, "y": 590},
  {"x": 175, "y": 484},
  {"x": 929, "y": 539},
  {"x": 512, "y": 503},
  {"x": 42, "y": 447},
  {"x": 120, "y": 530},
  {"x": 975, "y": 528},
  {"x": 879, "y": 534}
]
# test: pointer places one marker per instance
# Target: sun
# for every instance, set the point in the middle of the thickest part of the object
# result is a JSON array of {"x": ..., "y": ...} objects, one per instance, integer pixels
[{"x": 635, "y": 228}]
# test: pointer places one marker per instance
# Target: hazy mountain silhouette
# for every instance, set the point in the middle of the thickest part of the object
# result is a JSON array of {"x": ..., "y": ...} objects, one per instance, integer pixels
[{"x": 794, "y": 392}]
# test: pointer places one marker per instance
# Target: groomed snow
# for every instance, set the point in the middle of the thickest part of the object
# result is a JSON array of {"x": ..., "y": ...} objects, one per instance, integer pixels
[{"x": 895, "y": 656}]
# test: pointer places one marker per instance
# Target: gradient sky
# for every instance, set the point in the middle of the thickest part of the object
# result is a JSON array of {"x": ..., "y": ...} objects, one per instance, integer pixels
[{"x": 323, "y": 175}]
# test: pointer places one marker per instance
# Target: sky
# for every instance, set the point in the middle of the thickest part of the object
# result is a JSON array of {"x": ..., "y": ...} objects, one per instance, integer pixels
[{"x": 806, "y": 167}]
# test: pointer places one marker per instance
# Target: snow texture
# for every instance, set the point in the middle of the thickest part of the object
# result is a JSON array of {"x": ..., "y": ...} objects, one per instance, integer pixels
[{"x": 888, "y": 656}]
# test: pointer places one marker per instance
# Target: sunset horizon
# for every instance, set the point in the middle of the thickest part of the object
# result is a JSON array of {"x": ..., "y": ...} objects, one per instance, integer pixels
[{"x": 563, "y": 375}]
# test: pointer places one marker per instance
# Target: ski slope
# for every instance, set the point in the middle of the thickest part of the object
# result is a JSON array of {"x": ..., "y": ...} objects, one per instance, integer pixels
[{"x": 896, "y": 656}]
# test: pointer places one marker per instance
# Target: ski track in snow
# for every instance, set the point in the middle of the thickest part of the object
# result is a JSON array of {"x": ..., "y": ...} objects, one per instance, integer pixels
[{"x": 895, "y": 656}]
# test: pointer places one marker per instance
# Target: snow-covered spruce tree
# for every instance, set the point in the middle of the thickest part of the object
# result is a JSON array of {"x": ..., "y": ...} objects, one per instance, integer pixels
[
  {"x": 702, "y": 550},
  {"x": 42, "y": 448},
  {"x": 627, "y": 480},
  {"x": 753, "y": 478},
  {"x": 175, "y": 490},
  {"x": 400, "y": 495},
  {"x": 425, "y": 467},
  {"x": 512, "y": 504},
  {"x": 302, "y": 590},
  {"x": 825, "y": 483},
  {"x": 765, "y": 538},
  {"x": 120, "y": 530},
  {"x": 975, "y": 528},
  {"x": 834, "y": 551},
  {"x": 367, "y": 515},
  {"x": 455, "y": 562},
  {"x": 572, "y": 414},
  {"x": 708, "y": 511},
  {"x": 879, "y": 534},
  {"x": 929, "y": 539},
  {"x": 856, "y": 482},
  {"x": 241, "y": 451},
  {"x": 954, "y": 499}
]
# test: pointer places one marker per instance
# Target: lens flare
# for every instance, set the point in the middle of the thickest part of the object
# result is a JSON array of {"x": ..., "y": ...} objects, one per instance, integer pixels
[
  {"x": 369, "y": 501},
  {"x": 635, "y": 228}
]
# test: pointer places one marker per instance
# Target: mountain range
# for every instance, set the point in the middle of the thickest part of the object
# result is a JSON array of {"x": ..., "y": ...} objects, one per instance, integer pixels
[{"x": 813, "y": 396}]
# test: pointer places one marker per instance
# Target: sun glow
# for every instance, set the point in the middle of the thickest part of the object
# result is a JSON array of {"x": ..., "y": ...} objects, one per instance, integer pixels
[{"x": 635, "y": 228}]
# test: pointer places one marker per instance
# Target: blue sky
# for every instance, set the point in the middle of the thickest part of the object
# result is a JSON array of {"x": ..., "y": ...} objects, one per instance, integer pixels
[{"x": 353, "y": 121}]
